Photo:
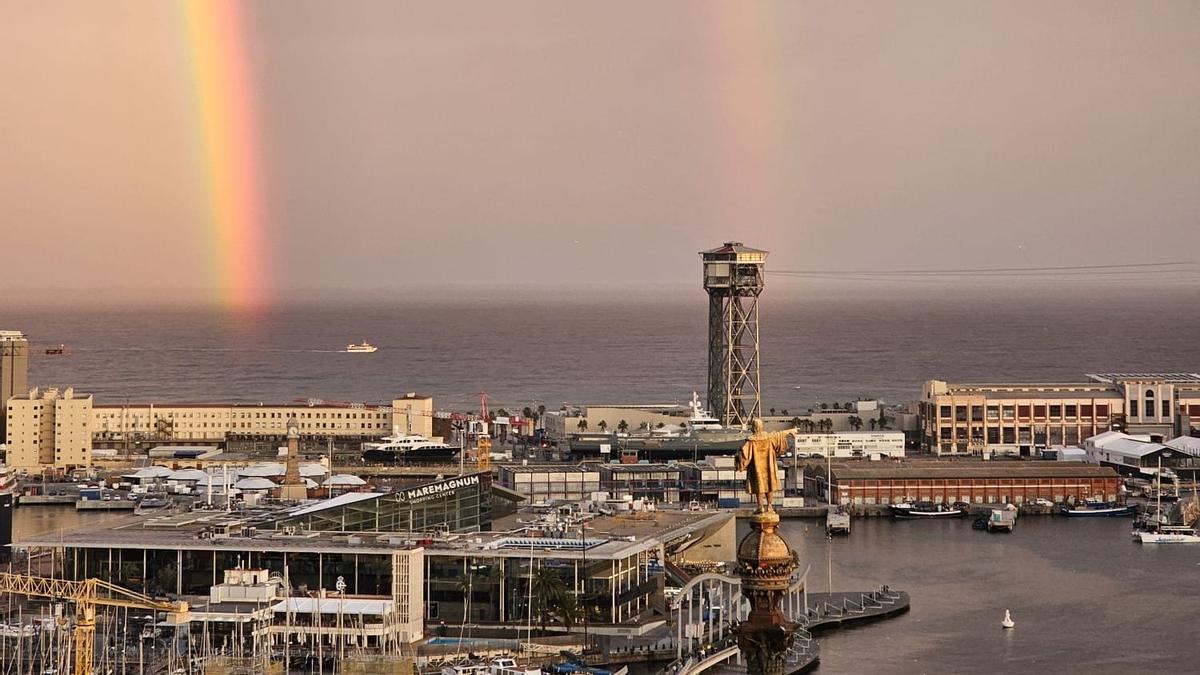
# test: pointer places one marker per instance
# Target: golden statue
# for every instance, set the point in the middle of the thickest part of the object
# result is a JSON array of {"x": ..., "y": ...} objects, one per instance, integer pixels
[{"x": 759, "y": 458}]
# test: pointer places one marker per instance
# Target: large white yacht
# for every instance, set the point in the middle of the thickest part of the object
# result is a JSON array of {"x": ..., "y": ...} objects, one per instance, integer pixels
[{"x": 407, "y": 448}]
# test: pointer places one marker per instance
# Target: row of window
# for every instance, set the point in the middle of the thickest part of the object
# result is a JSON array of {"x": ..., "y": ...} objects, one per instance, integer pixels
[
  {"x": 1010, "y": 435},
  {"x": 1010, "y": 412},
  {"x": 246, "y": 415}
]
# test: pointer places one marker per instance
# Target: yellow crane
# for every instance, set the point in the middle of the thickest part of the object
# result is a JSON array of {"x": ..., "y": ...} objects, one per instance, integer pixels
[{"x": 86, "y": 595}]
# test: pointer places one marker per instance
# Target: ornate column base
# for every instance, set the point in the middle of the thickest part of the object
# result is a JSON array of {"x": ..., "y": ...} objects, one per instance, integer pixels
[{"x": 765, "y": 564}]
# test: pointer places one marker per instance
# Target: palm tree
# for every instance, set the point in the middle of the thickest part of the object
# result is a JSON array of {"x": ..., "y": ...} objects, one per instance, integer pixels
[
  {"x": 824, "y": 406},
  {"x": 570, "y": 609},
  {"x": 548, "y": 591},
  {"x": 883, "y": 420},
  {"x": 583, "y": 425},
  {"x": 772, "y": 412},
  {"x": 785, "y": 412},
  {"x": 603, "y": 426},
  {"x": 622, "y": 426},
  {"x": 797, "y": 423},
  {"x": 645, "y": 426},
  {"x": 872, "y": 423},
  {"x": 855, "y": 422}
]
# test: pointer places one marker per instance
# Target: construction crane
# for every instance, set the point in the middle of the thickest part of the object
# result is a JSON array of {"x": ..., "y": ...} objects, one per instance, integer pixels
[
  {"x": 87, "y": 595},
  {"x": 483, "y": 441}
]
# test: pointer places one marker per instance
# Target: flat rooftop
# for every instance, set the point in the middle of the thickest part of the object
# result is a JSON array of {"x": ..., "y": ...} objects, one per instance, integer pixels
[{"x": 608, "y": 537}]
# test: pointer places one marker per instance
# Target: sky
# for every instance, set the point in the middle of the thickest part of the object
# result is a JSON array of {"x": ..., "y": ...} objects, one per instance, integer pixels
[{"x": 406, "y": 148}]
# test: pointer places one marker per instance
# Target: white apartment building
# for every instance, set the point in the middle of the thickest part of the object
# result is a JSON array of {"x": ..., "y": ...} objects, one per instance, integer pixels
[
  {"x": 208, "y": 422},
  {"x": 851, "y": 444},
  {"x": 1023, "y": 418},
  {"x": 49, "y": 430}
]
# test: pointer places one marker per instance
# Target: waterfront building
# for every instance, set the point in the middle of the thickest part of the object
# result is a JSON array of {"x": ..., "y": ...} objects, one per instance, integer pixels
[
  {"x": 851, "y": 444},
  {"x": 207, "y": 422},
  {"x": 49, "y": 429},
  {"x": 1026, "y": 418},
  {"x": 121, "y": 427},
  {"x": 975, "y": 483},
  {"x": 657, "y": 482},
  {"x": 542, "y": 482},
  {"x": 613, "y": 564},
  {"x": 14, "y": 371},
  {"x": 1139, "y": 456}
]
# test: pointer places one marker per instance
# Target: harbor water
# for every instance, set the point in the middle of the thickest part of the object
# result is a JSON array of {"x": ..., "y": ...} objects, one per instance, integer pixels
[{"x": 1084, "y": 597}]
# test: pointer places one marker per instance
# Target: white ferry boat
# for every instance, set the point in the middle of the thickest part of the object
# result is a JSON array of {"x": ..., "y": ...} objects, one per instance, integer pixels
[{"x": 362, "y": 348}]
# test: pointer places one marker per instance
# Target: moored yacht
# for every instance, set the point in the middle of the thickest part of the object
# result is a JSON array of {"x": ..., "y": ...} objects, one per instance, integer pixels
[
  {"x": 700, "y": 435},
  {"x": 407, "y": 448},
  {"x": 906, "y": 511}
]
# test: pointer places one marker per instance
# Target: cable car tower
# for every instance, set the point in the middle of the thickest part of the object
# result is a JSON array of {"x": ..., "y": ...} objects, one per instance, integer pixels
[{"x": 733, "y": 278}]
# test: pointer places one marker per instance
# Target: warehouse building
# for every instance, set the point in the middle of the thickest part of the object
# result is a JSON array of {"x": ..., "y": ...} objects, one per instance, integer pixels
[
  {"x": 1139, "y": 456},
  {"x": 948, "y": 482},
  {"x": 1024, "y": 418}
]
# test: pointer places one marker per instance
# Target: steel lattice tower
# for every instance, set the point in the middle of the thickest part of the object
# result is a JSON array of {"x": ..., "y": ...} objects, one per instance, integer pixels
[{"x": 733, "y": 277}]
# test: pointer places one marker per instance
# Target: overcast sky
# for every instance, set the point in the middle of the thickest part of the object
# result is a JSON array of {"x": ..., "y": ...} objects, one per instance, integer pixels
[{"x": 579, "y": 144}]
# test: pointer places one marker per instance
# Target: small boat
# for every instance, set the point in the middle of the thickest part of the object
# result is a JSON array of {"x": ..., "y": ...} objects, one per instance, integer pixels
[
  {"x": 1167, "y": 534},
  {"x": 1002, "y": 520},
  {"x": 1008, "y": 622},
  {"x": 905, "y": 511},
  {"x": 1098, "y": 508},
  {"x": 363, "y": 348},
  {"x": 56, "y": 351},
  {"x": 837, "y": 521}
]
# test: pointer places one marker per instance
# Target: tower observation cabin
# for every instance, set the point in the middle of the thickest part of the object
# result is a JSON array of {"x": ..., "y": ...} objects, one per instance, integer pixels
[{"x": 733, "y": 279}]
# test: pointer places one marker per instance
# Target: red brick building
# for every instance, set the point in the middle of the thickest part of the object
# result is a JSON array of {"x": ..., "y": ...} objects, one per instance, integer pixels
[{"x": 976, "y": 483}]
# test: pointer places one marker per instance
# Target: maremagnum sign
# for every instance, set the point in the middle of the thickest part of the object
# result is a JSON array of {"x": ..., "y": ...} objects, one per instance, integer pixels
[{"x": 434, "y": 490}]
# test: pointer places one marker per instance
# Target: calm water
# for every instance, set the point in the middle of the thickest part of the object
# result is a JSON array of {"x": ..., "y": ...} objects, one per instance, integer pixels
[
  {"x": 1084, "y": 596},
  {"x": 561, "y": 350}
]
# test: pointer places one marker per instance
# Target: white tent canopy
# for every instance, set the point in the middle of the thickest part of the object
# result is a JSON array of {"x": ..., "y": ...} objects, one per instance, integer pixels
[
  {"x": 343, "y": 480},
  {"x": 254, "y": 483},
  {"x": 187, "y": 475},
  {"x": 263, "y": 470}
]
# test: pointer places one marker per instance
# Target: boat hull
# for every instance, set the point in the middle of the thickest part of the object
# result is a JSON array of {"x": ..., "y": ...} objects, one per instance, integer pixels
[
  {"x": 1159, "y": 538},
  {"x": 1112, "y": 512},
  {"x": 431, "y": 455},
  {"x": 914, "y": 514}
]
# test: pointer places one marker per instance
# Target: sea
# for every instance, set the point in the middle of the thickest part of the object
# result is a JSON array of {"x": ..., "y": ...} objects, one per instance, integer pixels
[
  {"x": 557, "y": 349},
  {"x": 1085, "y": 598}
]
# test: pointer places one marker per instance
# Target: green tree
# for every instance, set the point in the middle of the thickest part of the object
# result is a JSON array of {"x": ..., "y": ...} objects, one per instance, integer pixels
[
  {"x": 603, "y": 426},
  {"x": 873, "y": 422},
  {"x": 622, "y": 426},
  {"x": 785, "y": 412},
  {"x": 772, "y": 412},
  {"x": 645, "y": 426},
  {"x": 855, "y": 422},
  {"x": 548, "y": 591},
  {"x": 883, "y": 420},
  {"x": 583, "y": 425},
  {"x": 797, "y": 423}
]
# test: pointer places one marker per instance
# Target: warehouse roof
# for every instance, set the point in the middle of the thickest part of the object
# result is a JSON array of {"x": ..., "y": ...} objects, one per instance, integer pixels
[{"x": 959, "y": 470}]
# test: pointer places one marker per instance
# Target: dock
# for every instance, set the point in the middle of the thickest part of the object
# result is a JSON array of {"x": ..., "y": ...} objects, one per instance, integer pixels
[{"x": 101, "y": 505}]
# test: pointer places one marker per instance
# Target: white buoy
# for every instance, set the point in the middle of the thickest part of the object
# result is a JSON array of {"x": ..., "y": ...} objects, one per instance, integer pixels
[{"x": 1008, "y": 622}]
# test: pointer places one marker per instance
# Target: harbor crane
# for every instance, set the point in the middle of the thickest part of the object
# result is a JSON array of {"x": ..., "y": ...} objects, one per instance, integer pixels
[{"x": 87, "y": 595}]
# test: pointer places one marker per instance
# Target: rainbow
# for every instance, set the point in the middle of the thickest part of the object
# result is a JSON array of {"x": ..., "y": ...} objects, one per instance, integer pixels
[
  {"x": 228, "y": 140},
  {"x": 748, "y": 115}
]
